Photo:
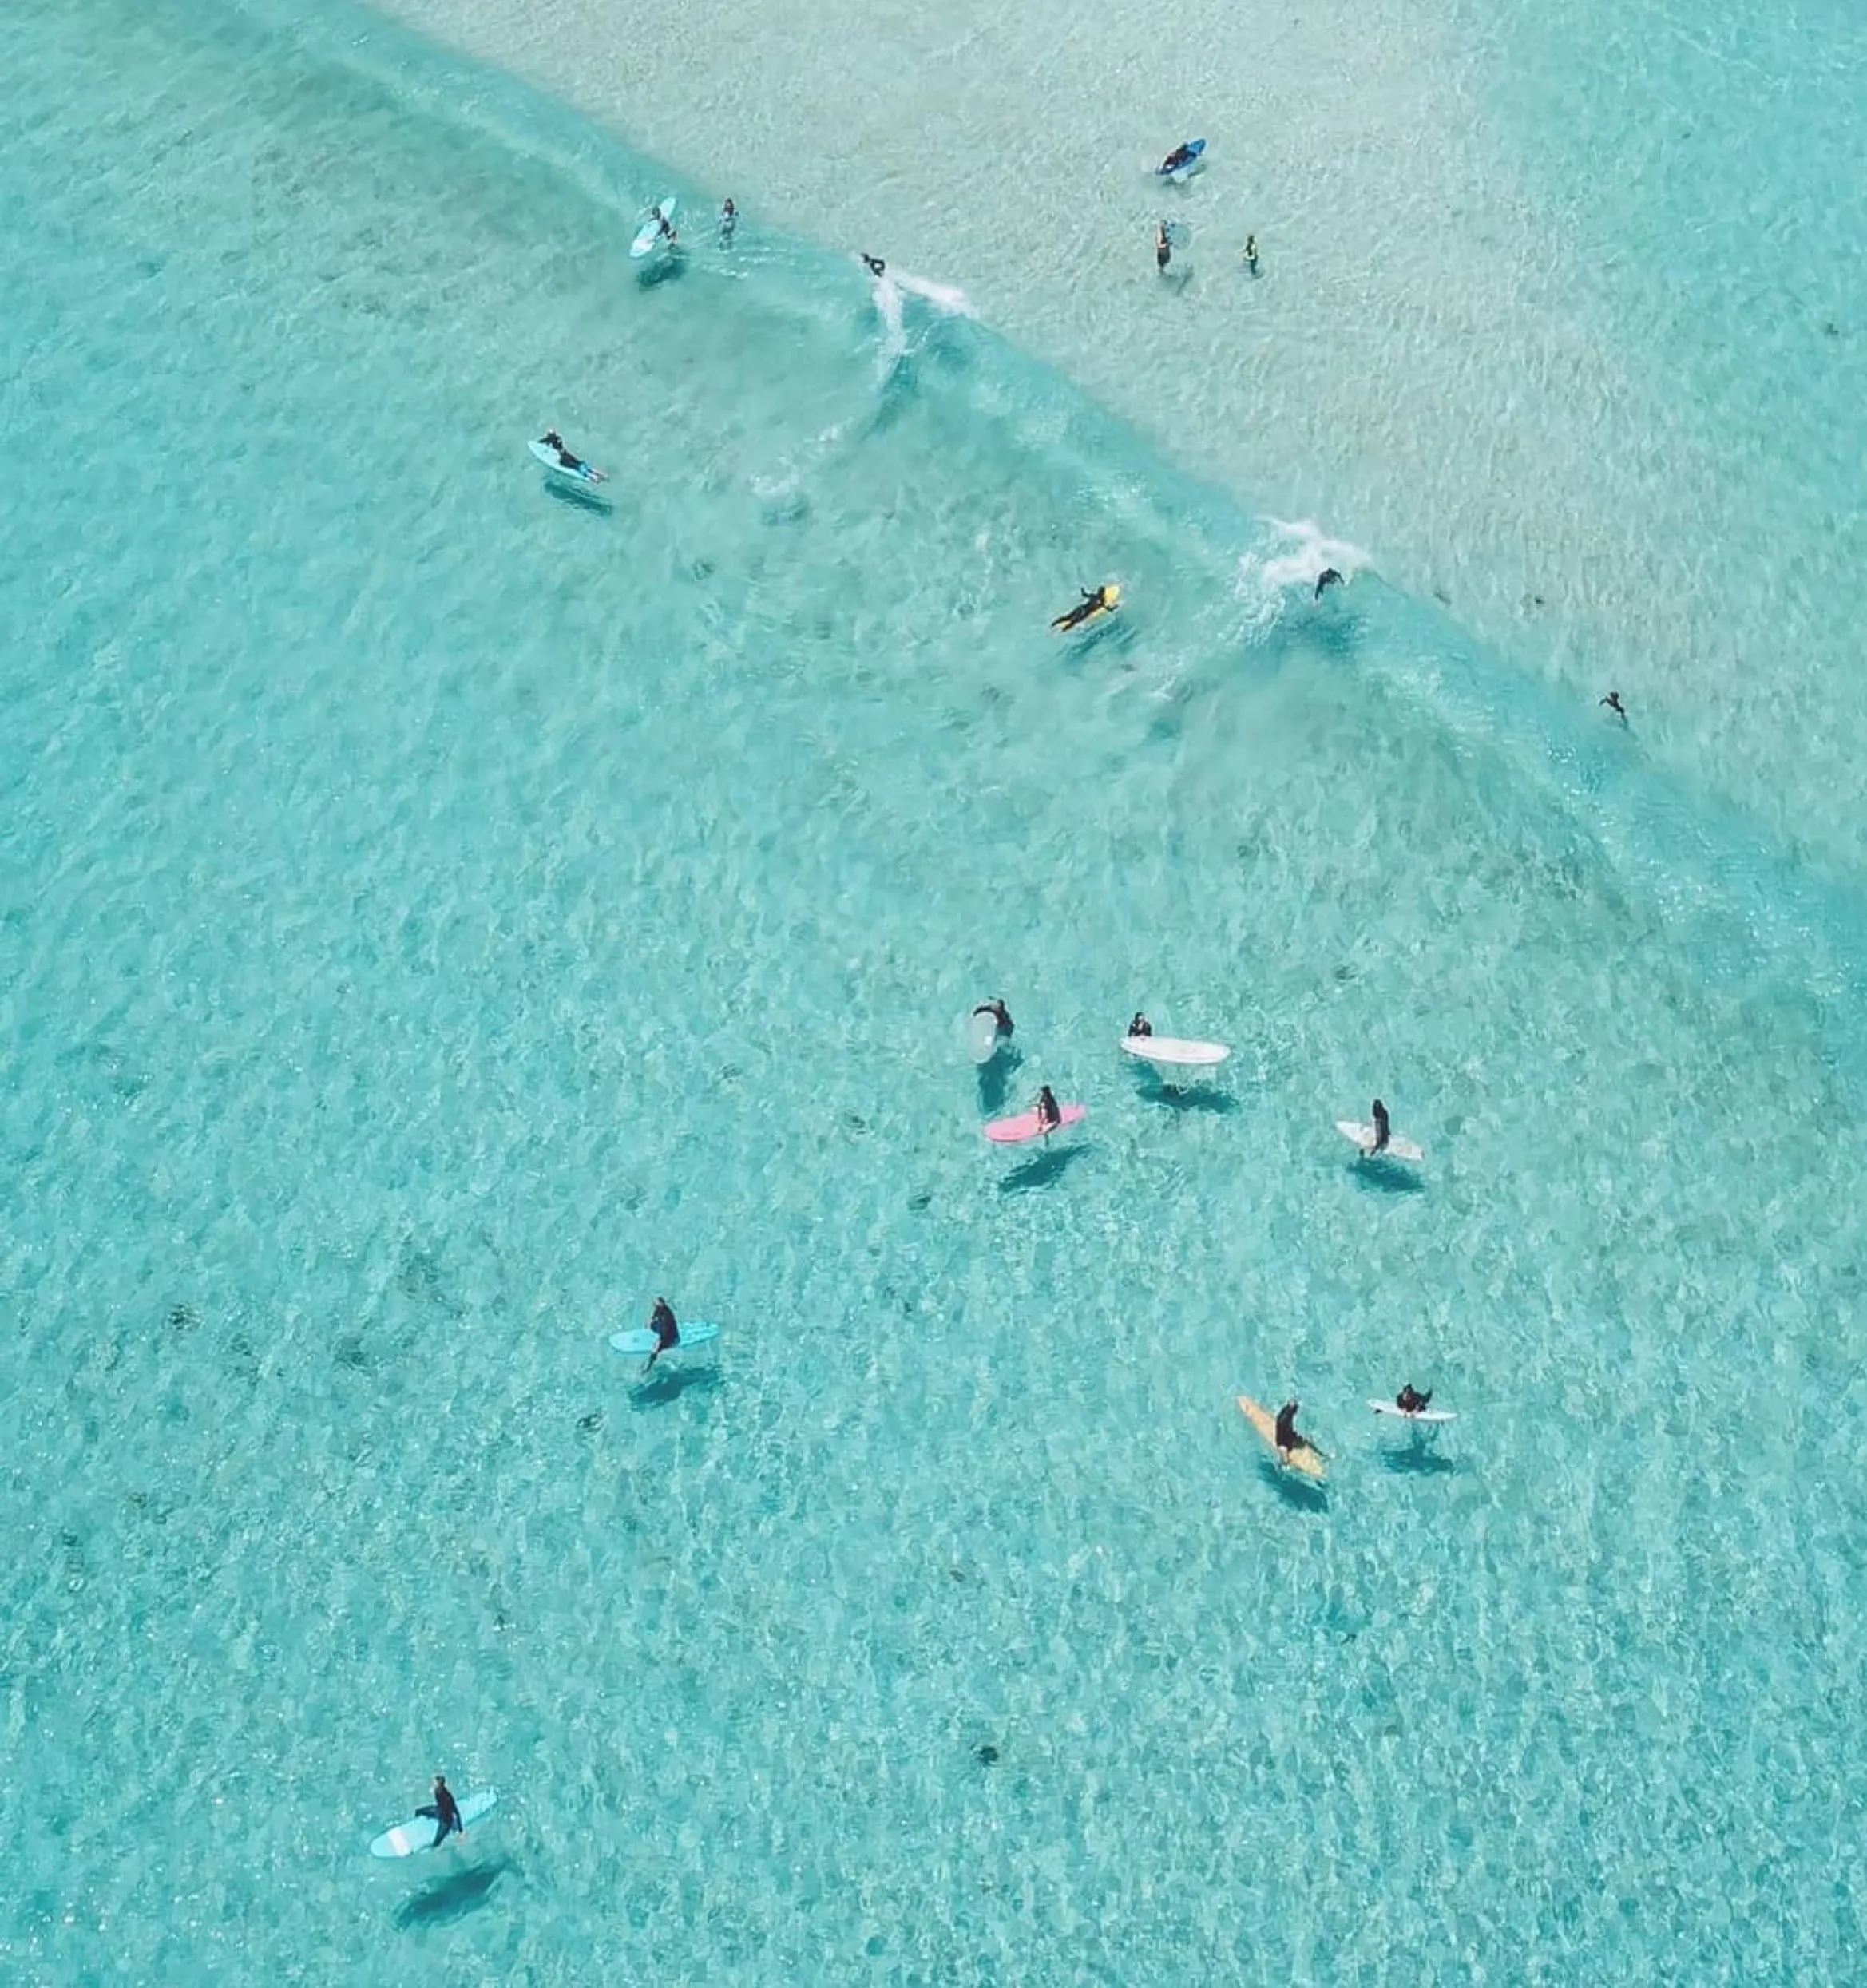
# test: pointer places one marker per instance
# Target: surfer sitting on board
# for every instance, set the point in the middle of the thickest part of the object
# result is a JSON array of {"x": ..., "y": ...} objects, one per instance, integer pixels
[
  {"x": 1379, "y": 1114},
  {"x": 661, "y": 1323},
  {"x": 445, "y": 1811},
  {"x": 1328, "y": 577},
  {"x": 999, "y": 1012},
  {"x": 1049, "y": 1112},
  {"x": 1140, "y": 1025},
  {"x": 1095, "y": 600},
  {"x": 1285, "y": 1435},
  {"x": 1410, "y": 1401}
]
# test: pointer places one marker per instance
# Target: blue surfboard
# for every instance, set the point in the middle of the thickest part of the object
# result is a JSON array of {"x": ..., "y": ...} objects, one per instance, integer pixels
[
  {"x": 638, "y": 1339},
  {"x": 1196, "y": 150},
  {"x": 412, "y": 1838}
]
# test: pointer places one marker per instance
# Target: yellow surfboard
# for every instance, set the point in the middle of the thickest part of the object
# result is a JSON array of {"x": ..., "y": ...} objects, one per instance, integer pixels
[
  {"x": 1085, "y": 611},
  {"x": 1309, "y": 1462}
]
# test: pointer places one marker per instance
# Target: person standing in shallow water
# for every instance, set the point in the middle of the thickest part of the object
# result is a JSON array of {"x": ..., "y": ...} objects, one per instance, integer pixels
[
  {"x": 728, "y": 221},
  {"x": 1251, "y": 253},
  {"x": 1163, "y": 247},
  {"x": 1613, "y": 701}
]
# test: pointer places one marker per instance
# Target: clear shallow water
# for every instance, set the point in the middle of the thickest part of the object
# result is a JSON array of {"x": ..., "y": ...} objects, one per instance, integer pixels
[
  {"x": 438, "y": 916},
  {"x": 1544, "y": 312}
]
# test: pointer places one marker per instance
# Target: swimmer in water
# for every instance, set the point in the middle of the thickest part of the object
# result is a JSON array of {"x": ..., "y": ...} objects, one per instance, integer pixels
[
  {"x": 728, "y": 220},
  {"x": 875, "y": 266},
  {"x": 1163, "y": 248},
  {"x": 1379, "y": 1114},
  {"x": 445, "y": 1811},
  {"x": 1095, "y": 600},
  {"x": 1049, "y": 1112},
  {"x": 1140, "y": 1025},
  {"x": 1410, "y": 1401},
  {"x": 662, "y": 1324},
  {"x": 1251, "y": 253},
  {"x": 1613, "y": 701},
  {"x": 1328, "y": 577},
  {"x": 1285, "y": 1434},
  {"x": 1000, "y": 1014}
]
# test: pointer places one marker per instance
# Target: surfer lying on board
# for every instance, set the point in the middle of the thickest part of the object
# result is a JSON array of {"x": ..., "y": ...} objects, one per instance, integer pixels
[
  {"x": 1378, "y": 1113},
  {"x": 552, "y": 440},
  {"x": 661, "y": 1323},
  {"x": 1285, "y": 1434},
  {"x": 1049, "y": 1112},
  {"x": 999, "y": 1012},
  {"x": 1180, "y": 156},
  {"x": 445, "y": 1811},
  {"x": 1140, "y": 1025},
  {"x": 1097, "y": 600},
  {"x": 1410, "y": 1401}
]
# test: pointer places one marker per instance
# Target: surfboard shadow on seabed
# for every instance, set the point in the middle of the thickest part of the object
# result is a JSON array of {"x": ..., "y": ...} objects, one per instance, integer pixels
[
  {"x": 453, "y": 1897},
  {"x": 1300, "y": 1494},
  {"x": 1052, "y": 1164},
  {"x": 670, "y": 1380}
]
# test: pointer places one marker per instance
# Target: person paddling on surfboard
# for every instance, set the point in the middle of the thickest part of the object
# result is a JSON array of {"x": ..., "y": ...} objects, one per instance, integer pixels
[
  {"x": 1049, "y": 1112},
  {"x": 552, "y": 440},
  {"x": 999, "y": 1012},
  {"x": 445, "y": 1811},
  {"x": 1139, "y": 1026},
  {"x": 1103, "y": 599},
  {"x": 1382, "y": 1131},
  {"x": 662, "y": 1324},
  {"x": 1180, "y": 156},
  {"x": 1285, "y": 1434},
  {"x": 1410, "y": 1401}
]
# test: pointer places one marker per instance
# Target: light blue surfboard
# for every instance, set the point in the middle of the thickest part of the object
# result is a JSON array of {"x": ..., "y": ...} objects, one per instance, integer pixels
[
  {"x": 409, "y": 1839},
  {"x": 638, "y": 1339}
]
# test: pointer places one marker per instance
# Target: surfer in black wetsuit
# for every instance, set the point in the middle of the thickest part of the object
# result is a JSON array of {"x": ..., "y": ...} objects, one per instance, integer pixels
[
  {"x": 1140, "y": 1025},
  {"x": 1381, "y": 1129},
  {"x": 729, "y": 220},
  {"x": 1613, "y": 701},
  {"x": 875, "y": 266},
  {"x": 552, "y": 440},
  {"x": 999, "y": 1012},
  {"x": 1049, "y": 1112},
  {"x": 1328, "y": 577},
  {"x": 663, "y": 227},
  {"x": 661, "y": 1323},
  {"x": 1251, "y": 253},
  {"x": 445, "y": 1811},
  {"x": 1180, "y": 156},
  {"x": 1410, "y": 1401},
  {"x": 1097, "y": 600},
  {"x": 1285, "y": 1434},
  {"x": 1163, "y": 247}
]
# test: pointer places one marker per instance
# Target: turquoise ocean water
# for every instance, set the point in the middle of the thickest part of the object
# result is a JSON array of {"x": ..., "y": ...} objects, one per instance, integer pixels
[{"x": 438, "y": 915}]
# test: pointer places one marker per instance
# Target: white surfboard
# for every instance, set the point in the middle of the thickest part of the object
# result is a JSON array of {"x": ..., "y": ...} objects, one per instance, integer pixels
[
  {"x": 1176, "y": 1050},
  {"x": 1363, "y": 1136},
  {"x": 1414, "y": 1415},
  {"x": 586, "y": 474},
  {"x": 409, "y": 1839},
  {"x": 982, "y": 1036},
  {"x": 649, "y": 233}
]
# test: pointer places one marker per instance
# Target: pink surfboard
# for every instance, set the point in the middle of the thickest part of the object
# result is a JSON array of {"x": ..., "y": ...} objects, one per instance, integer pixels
[{"x": 1015, "y": 1131}]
